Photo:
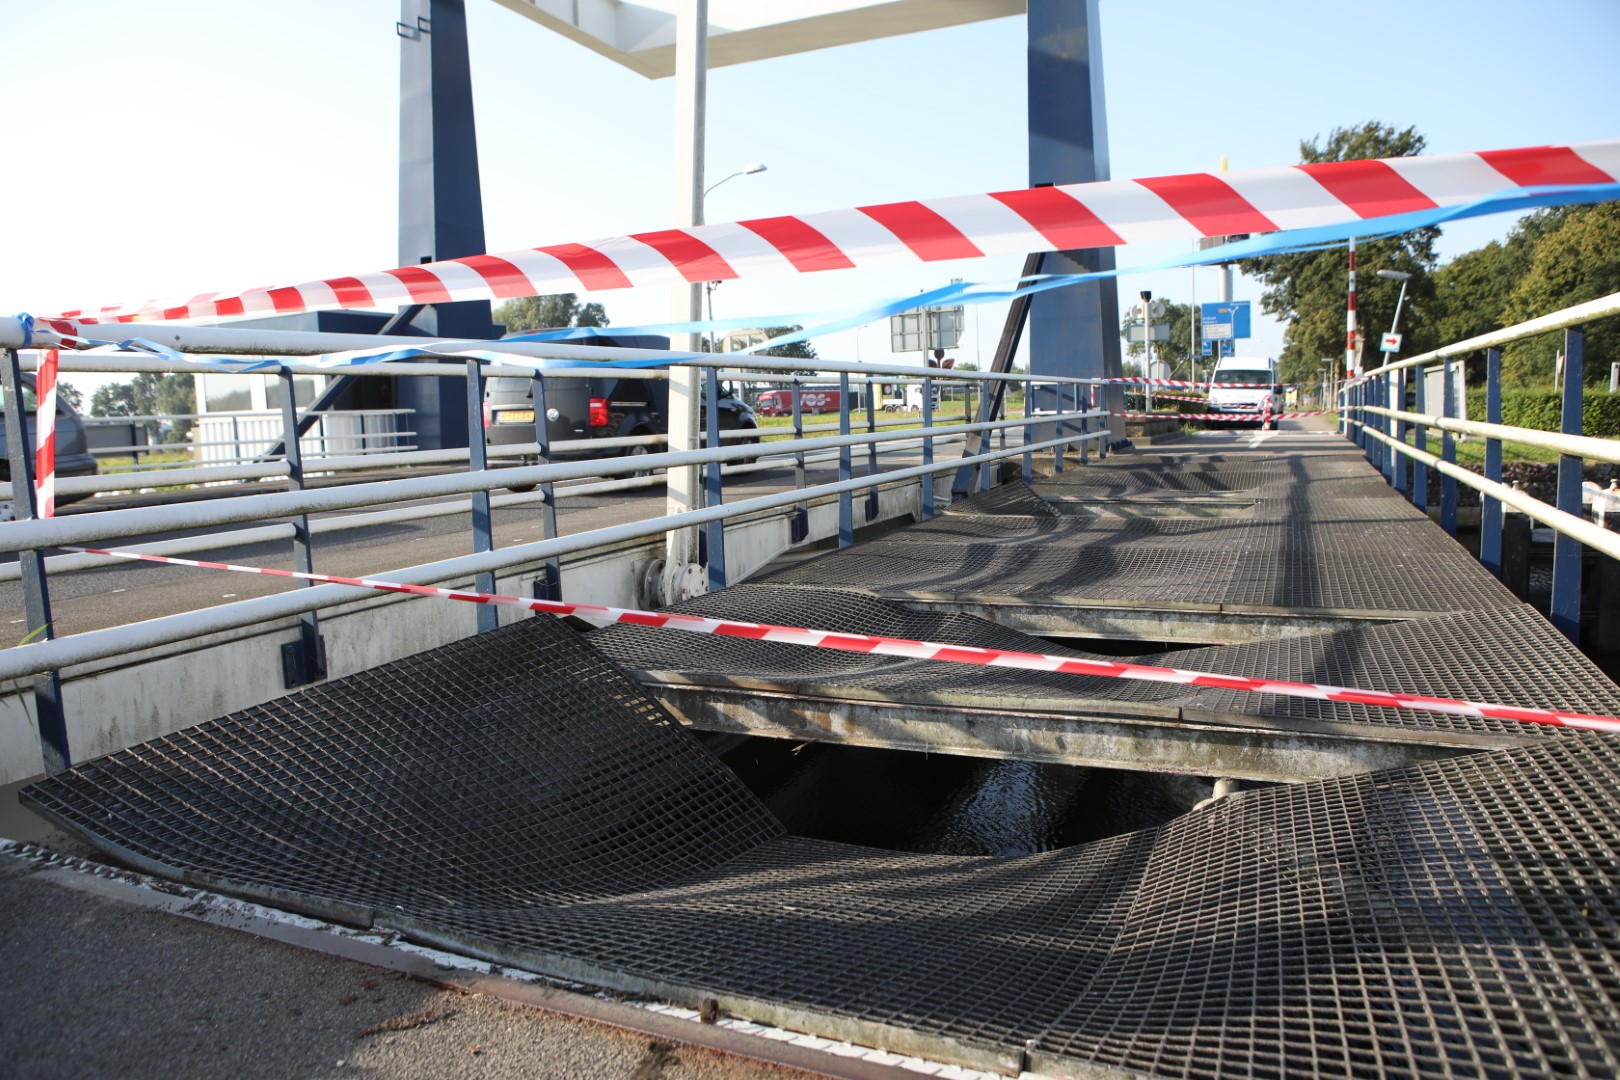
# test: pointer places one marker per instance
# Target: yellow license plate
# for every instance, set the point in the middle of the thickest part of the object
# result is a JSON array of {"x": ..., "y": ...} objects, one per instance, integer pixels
[{"x": 517, "y": 416}]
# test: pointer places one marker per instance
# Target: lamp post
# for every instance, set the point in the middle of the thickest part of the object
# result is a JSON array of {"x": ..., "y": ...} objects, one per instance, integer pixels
[
  {"x": 1403, "y": 277},
  {"x": 1395, "y": 386},
  {"x": 710, "y": 286},
  {"x": 749, "y": 171}
]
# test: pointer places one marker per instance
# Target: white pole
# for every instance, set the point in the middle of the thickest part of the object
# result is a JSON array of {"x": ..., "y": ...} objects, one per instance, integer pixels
[
  {"x": 1350, "y": 317},
  {"x": 1193, "y": 321},
  {"x": 691, "y": 77}
]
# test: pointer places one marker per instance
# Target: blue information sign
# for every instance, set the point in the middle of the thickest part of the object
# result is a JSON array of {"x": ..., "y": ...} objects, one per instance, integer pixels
[{"x": 1224, "y": 320}]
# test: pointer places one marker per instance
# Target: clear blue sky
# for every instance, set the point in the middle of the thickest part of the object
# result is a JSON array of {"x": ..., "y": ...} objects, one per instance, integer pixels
[{"x": 182, "y": 146}]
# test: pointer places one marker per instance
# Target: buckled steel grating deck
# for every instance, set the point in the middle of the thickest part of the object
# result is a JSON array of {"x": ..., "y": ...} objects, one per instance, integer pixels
[
  {"x": 1507, "y": 655},
  {"x": 517, "y": 797}
]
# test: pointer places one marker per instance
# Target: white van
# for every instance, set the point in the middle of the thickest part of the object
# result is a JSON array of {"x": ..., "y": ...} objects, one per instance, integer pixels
[{"x": 1240, "y": 385}]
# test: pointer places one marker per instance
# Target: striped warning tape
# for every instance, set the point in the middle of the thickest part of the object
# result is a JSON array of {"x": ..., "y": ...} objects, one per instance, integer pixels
[
  {"x": 926, "y": 650},
  {"x": 1175, "y": 397},
  {"x": 1186, "y": 385},
  {"x": 45, "y": 434},
  {"x": 1103, "y": 214},
  {"x": 1218, "y": 416}
]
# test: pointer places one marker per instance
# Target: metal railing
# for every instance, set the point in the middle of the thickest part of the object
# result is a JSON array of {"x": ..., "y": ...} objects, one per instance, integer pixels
[
  {"x": 979, "y": 442},
  {"x": 1381, "y": 394}
]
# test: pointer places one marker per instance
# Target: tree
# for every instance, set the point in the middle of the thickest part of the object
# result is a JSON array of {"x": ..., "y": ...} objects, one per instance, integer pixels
[
  {"x": 150, "y": 395},
  {"x": 70, "y": 394},
  {"x": 175, "y": 396},
  {"x": 549, "y": 312},
  {"x": 113, "y": 399},
  {"x": 1307, "y": 290},
  {"x": 1177, "y": 352},
  {"x": 796, "y": 350},
  {"x": 1575, "y": 258},
  {"x": 1472, "y": 292}
]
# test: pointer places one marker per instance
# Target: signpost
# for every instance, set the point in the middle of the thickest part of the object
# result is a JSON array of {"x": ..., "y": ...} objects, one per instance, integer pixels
[
  {"x": 1390, "y": 343},
  {"x": 1221, "y": 324},
  {"x": 926, "y": 329},
  {"x": 1225, "y": 320}
]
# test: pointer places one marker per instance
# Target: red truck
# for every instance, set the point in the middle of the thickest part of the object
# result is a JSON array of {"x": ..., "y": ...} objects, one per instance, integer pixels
[{"x": 780, "y": 402}]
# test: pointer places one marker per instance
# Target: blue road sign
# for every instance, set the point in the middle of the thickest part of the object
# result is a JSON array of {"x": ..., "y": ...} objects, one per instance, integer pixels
[{"x": 1224, "y": 320}]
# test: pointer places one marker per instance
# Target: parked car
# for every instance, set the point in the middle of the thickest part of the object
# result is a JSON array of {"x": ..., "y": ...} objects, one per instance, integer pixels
[
  {"x": 597, "y": 407},
  {"x": 72, "y": 449}
]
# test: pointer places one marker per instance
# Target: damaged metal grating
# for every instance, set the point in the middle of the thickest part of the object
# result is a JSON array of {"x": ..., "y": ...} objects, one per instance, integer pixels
[
  {"x": 1504, "y": 655},
  {"x": 515, "y": 797}
]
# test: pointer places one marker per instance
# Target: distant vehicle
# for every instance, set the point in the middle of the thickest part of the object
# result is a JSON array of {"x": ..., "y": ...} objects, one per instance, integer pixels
[
  {"x": 598, "y": 407},
  {"x": 811, "y": 400},
  {"x": 72, "y": 450},
  {"x": 1240, "y": 385}
]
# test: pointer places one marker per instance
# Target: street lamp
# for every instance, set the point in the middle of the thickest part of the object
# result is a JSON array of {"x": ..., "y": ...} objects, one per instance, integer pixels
[
  {"x": 1395, "y": 383},
  {"x": 1401, "y": 276},
  {"x": 749, "y": 171},
  {"x": 710, "y": 286}
]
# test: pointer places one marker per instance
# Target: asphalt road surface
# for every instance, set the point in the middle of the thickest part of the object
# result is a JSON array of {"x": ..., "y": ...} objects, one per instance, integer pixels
[{"x": 125, "y": 592}]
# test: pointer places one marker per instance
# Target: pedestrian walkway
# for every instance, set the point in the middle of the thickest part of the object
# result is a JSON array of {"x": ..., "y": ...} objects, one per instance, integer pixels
[{"x": 517, "y": 798}]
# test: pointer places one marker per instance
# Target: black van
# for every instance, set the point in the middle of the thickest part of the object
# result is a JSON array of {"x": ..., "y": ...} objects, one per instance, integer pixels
[
  {"x": 597, "y": 407},
  {"x": 72, "y": 449}
]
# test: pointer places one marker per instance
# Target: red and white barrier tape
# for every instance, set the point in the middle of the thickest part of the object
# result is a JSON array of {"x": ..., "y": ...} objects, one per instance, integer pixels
[
  {"x": 1261, "y": 416},
  {"x": 926, "y": 650},
  {"x": 1175, "y": 397},
  {"x": 1103, "y": 214},
  {"x": 1185, "y": 385},
  {"x": 45, "y": 434}
]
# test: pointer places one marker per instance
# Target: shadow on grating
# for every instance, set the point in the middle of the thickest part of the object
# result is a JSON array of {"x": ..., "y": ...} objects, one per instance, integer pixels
[
  {"x": 516, "y": 796},
  {"x": 1314, "y": 538}
]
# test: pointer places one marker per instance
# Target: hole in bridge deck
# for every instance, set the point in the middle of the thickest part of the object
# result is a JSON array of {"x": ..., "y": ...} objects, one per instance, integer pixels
[
  {"x": 948, "y": 805},
  {"x": 1121, "y": 646}
]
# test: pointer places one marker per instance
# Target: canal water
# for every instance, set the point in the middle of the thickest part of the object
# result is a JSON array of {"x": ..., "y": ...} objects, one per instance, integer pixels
[{"x": 944, "y": 805}]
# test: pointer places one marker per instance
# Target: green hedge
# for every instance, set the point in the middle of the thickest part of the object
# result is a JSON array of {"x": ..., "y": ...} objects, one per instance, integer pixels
[{"x": 1542, "y": 410}]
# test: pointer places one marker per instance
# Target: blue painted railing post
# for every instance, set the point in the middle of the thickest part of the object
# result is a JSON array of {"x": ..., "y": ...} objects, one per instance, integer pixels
[
  {"x": 1381, "y": 423},
  {"x": 714, "y": 495},
  {"x": 1092, "y": 405},
  {"x": 928, "y": 447},
  {"x": 1448, "y": 451},
  {"x": 304, "y": 661},
  {"x": 1397, "y": 466},
  {"x": 1059, "y": 430},
  {"x": 49, "y": 719},
  {"x": 548, "y": 586},
  {"x": 984, "y": 437},
  {"x": 801, "y": 510},
  {"x": 1565, "y": 613},
  {"x": 1360, "y": 395},
  {"x": 871, "y": 452},
  {"x": 1490, "y": 510},
  {"x": 846, "y": 501},
  {"x": 1420, "y": 437},
  {"x": 1028, "y": 472}
]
